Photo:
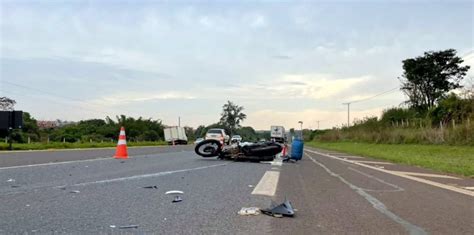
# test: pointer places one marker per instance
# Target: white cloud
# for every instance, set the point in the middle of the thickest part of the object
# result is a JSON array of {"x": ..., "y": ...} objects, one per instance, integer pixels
[{"x": 130, "y": 97}]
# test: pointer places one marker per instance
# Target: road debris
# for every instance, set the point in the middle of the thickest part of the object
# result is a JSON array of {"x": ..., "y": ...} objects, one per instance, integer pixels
[
  {"x": 74, "y": 191},
  {"x": 128, "y": 226},
  {"x": 174, "y": 192},
  {"x": 177, "y": 199},
  {"x": 249, "y": 211},
  {"x": 11, "y": 180},
  {"x": 251, "y": 186},
  {"x": 151, "y": 187},
  {"x": 112, "y": 226},
  {"x": 284, "y": 209},
  {"x": 15, "y": 186}
]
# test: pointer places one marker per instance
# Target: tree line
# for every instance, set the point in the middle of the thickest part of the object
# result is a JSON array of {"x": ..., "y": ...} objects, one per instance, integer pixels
[{"x": 137, "y": 129}]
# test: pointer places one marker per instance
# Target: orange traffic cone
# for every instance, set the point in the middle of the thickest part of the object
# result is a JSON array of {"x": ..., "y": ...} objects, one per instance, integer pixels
[{"x": 121, "y": 152}]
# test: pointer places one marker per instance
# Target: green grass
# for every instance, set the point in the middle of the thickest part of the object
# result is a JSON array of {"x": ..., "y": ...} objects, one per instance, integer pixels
[
  {"x": 442, "y": 158},
  {"x": 60, "y": 145}
]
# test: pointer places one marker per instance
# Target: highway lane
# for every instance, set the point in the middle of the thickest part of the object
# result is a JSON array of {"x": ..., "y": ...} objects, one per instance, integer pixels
[
  {"x": 20, "y": 158},
  {"x": 111, "y": 194},
  {"x": 335, "y": 196},
  {"x": 332, "y": 196}
]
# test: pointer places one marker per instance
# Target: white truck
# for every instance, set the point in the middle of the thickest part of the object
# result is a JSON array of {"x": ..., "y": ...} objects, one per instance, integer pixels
[
  {"x": 277, "y": 133},
  {"x": 175, "y": 135}
]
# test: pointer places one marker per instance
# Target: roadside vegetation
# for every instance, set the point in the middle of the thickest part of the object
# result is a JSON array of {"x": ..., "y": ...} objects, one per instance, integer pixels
[
  {"x": 96, "y": 133},
  {"x": 434, "y": 128}
]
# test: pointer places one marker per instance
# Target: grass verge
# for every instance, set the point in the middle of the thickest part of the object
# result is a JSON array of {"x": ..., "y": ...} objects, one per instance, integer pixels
[
  {"x": 60, "y": 145},
  {"x": 450, "y": 159}
]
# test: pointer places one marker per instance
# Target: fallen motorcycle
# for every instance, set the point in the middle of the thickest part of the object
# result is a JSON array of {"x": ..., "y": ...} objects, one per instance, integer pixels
[{"x": 261, "y": 151}]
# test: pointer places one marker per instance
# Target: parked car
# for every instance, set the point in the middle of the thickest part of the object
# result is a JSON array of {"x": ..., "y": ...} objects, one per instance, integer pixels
[
  {"x": 217, "y": 134},
  {"x": 236, "y": 138},
  {"x": 198, "y": 140}
]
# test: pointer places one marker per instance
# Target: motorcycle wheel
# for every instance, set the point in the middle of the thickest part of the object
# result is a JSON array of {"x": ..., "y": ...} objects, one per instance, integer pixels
[{"x": 208, "y": 148}]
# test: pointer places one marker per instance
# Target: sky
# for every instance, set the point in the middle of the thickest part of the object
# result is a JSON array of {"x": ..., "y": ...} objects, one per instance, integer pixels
[{"x": 283, "y": 61}]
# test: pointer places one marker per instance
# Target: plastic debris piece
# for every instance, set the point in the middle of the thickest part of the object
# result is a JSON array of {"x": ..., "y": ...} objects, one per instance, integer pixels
[
  {"x": 128, "y": 226},
  {"x": 249, "y": 211},
  {"x": 177, "y": 199},
  {"x": 27, "y": 205},
  {"x": 174, "y": 192},
  {"x": 15, "y": 186},
  {"x": 284, "y": 209},
  {"x": 251, "y": 186},
  {"x": 278, "y": 215},
  {"x": 112, "y": 226},
  {"x": 75, "y": 191},
  {"x": 11, "y": 180},
  {"x": 151, "y": 187}
]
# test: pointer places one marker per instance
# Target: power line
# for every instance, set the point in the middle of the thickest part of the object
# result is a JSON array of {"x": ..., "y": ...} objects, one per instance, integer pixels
[
  {"x": 380, "y": 94},
  {"x": 357, "y": 101}
]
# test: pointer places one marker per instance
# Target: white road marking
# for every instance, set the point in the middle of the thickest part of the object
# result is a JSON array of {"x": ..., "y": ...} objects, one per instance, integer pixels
[
  {"x": 76, "y": 149},
  {"x": 378, "y": 205},
  {"x": 145, "y": 176},
  {"x": 469, "y": 188},
  {"x": 59, "y": 163},
  {"x": 78, "y": 161},
  {"x": 372, "y": 162},
  {"x": 429, "y": 182},
  {"x": 427, "y": 175},
  {"x": 349, "y": 156},
  {"x": 268, "y": 184},
  {"x": 397, "y": 188}
]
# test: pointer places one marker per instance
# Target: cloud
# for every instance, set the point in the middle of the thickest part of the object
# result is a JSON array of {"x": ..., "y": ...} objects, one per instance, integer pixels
[
  {"x": 131, "y": 97},
  {"x": 281, "y": 57}
]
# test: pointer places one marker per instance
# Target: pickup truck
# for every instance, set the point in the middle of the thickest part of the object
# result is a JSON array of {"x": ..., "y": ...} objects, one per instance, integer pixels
[{"x": 217, "y": 134}]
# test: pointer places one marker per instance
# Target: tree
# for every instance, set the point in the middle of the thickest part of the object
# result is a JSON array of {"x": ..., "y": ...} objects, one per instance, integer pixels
[
  {"x": 427, "y": 79},
  {"x": 232, "y": 116},
  {"x": 6, "y": 104}
]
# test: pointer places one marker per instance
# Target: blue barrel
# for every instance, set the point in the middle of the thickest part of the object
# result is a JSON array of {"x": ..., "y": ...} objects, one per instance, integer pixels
[{"x": 297, "y": 149}]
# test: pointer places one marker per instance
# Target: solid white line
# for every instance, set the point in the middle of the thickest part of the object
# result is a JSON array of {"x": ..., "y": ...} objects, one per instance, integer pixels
[
  {"x": 372, "y": 162},
  {"x": 427, "y": 175},
  {"x": 57, "y": 163},
  {"x": 378, "y": 205},
  {"x": 145, "y": 176},
  {"x": 77, "y": 161},
  {"x": 76, "y": 149},
  {"x": 429, "y": 182},
  {"x": 268, "y": 184},
  {"x": 469, "y": 188}
]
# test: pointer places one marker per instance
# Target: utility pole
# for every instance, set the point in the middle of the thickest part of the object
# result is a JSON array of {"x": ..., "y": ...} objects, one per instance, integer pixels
[
  {"x": 348, "y": 113},
  {"x": 318, "y": 124},
  {"x": 179, "y": 121},
  {"x": 301, "y": 125}
]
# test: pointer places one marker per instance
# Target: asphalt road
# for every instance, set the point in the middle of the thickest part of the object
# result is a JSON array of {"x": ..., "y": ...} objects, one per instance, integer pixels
[{"x": 90, "y": 194}]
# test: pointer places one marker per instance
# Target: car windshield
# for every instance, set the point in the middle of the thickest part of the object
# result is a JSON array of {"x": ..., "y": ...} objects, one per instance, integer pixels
[{"x": 214, "y": 131}]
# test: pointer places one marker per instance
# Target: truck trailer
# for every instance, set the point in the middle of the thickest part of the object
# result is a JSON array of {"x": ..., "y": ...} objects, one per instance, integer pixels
[{"x": 175, "y": 135}]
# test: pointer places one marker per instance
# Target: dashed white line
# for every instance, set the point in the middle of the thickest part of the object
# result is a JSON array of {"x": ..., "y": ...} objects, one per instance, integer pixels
[{"x": 268, "y": 184}]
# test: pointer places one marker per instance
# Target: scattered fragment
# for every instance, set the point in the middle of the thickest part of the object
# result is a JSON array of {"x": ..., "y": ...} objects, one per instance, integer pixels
[
  {"x": 284, "y": 209},
  {"x": 174, "y": 192},
  {"x": 112, "y": 226},
  {"x": 122, "y": 161},
  {"x": 11, "y": 180},
  {"x": 278, "y": 215},
  {"x": 249, "y": 211},
  {"x": 27, "y": 205},
  {"x": 75, "y": 191},
  {"x": 380, "y": 167},
  {"x": 150, "y": 187},
  {"x": 86, "y": 166},
  {"x": 128, "y": 226},
  {"x": 251, "y": 186},
  {"x": 177, "y": 199},
  {"x": 15, "y": 186}
]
